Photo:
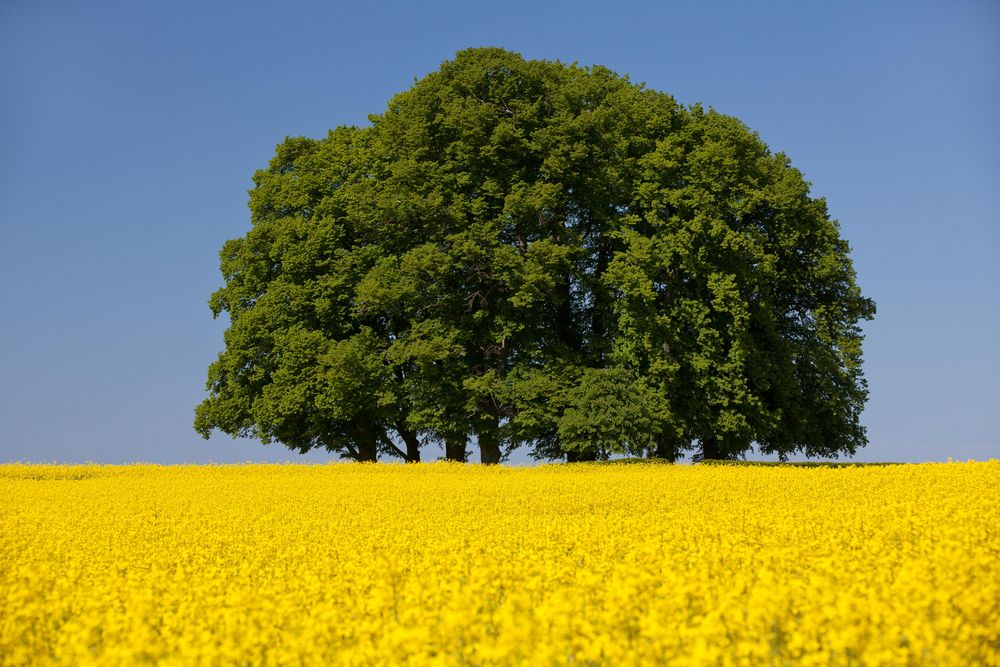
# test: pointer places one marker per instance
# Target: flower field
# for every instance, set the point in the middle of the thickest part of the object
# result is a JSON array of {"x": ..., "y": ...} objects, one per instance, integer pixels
[{"x": 447, "y": 564}]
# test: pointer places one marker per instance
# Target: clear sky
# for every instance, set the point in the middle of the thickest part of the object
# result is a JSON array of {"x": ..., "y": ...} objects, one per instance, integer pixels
[{"x": 129, "y": 132}]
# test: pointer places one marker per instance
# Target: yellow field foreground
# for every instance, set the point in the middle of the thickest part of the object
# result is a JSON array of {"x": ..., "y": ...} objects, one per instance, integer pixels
[{"x": 450, "y": 564}]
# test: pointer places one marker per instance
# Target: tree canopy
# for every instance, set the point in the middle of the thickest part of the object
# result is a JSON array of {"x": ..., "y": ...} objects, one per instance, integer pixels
[{"x": 529, "y": 253}]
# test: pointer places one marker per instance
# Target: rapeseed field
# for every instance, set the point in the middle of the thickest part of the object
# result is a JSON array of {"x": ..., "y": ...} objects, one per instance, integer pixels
[{"x": 444, "y": 564}]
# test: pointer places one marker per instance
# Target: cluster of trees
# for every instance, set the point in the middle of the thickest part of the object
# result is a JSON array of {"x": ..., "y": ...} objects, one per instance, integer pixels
[{"x": 529, "y": 253}]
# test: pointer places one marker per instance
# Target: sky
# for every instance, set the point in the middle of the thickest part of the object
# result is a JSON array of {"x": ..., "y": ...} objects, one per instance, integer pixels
[{"x": 130, "y": 130}]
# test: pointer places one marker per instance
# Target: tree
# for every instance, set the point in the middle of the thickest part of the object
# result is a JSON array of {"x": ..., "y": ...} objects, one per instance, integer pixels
[
  {"x": 532, "y": 253},
  {"x": 738, "y": 299}
]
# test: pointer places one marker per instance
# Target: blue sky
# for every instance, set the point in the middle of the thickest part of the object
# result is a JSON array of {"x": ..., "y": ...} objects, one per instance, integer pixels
[{"x": 130, "y": 130}]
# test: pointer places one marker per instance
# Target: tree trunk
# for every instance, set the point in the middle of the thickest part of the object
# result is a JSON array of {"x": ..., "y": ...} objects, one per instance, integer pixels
[
  {"x": 489, "y": 441},
  {"x": 412, "y": 444},
  {"x": 666, "y": 448},
  {"x": 710, "y": 449},
  {"x": 367, "y": 446},
  {"x": 454, "y": 448},
  {"x": 577, "y": 457}
]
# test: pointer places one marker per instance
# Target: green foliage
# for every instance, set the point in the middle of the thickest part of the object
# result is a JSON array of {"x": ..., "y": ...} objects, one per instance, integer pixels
[{"x": 533, "y": 253}]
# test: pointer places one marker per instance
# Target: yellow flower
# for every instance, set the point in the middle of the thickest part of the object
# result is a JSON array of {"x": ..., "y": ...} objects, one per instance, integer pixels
[{"x": 446, "y": 565}]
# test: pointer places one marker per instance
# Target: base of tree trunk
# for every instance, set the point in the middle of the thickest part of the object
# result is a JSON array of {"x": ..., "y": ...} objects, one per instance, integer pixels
[
  {"x": 488, "y": 435},
  {"x": 489, "y": 450},
  {"x": 665, "y": 449},
  {"x": 454, "y": 450},
  {"x": 710, "y": 450},
  {"x": 412, "y": 446},
  {"x": 368, "y": 452}
]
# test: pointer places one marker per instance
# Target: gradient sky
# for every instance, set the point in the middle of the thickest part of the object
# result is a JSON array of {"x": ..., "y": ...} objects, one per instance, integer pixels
[{"x": 129, "y": 132}]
